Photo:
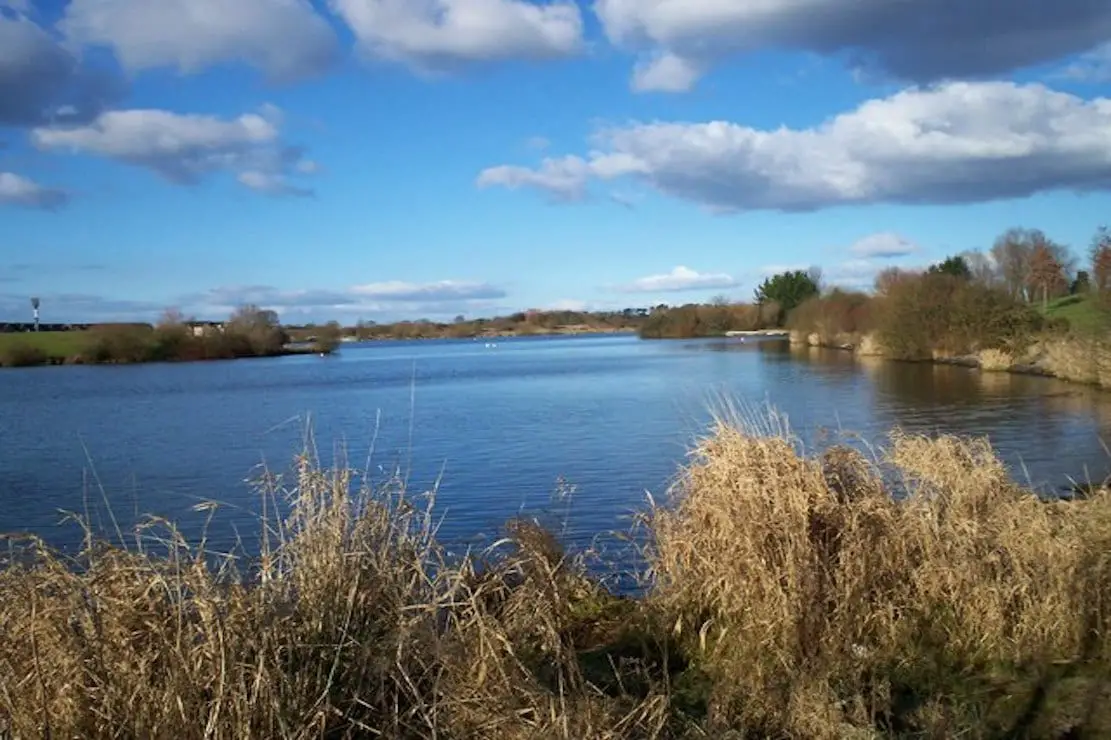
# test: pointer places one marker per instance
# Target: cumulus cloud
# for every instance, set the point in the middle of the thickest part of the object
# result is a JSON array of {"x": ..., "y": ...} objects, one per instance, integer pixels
[
  {"x": 439, "y": 35},
  {"x": 952, "y": 143},
  {"x": 41, "y": 82},
  {"x": 184, "y": 149},
  {"x": 678, "y": 280},
  {"x": 885, "y": 245},
  {"x": 16, "y": 190},
  {"x": 914, "y": 40},
  {"x": 285, "y": 38},
  {"x": 665, "y": 72}
]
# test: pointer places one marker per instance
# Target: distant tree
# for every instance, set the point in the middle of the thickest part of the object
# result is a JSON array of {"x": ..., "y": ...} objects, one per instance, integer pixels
[
  {"x": 259, "y": 328},
  {"x": 1082, "y": 284},
  {"x": 460, "y": 319},
  {"x": 954, "y": 266},
  {"x": 720, "y": 301},
  {"x": 890, "y": 277},
  {"x": 328, "y": 337},
  {"x": 788, "y": 290},
  {"x": 1046, "y": 274},
  {"x": 1012, "y": 252},
  {"x": 1100, "y": 259}
]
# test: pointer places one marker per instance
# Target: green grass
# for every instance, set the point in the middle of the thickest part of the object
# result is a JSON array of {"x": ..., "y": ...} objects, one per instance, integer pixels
[
  {"x": 1083, "y": 313},
  {"x": 56, "y": 344}
]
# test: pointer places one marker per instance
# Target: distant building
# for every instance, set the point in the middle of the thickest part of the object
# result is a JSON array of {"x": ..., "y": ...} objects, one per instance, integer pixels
[{"x": 205, "y": 328}]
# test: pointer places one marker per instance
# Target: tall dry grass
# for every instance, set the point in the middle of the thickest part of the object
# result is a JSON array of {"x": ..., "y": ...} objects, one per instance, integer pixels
[
  {"x": 355, "y": 624},
  {"x": 921, "y": 593},
  {"x": 915, "y": 593}
]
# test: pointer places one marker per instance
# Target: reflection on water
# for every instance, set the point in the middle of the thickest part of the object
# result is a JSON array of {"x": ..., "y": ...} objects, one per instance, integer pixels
[{"x": 613, "y": 416}]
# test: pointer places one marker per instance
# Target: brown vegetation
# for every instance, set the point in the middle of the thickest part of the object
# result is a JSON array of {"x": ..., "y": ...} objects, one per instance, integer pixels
[
  {"x": 522, "y": 323},
  {"x": 692, "y": 320},
  {"x": 22, "y": 354},
  {"x": 792, "y": 597}
]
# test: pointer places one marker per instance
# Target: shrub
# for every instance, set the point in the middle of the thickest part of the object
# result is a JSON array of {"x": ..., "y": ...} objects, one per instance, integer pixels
[
  {"x": 835, "y": 313},
  {"x": 120, "y": 343},
  {"x": 935, "y": 312},
  {"x": 22, "y": 354}
]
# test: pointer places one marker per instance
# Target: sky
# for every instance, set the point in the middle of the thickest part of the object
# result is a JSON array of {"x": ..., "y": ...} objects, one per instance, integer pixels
[{"x": 387, "y": 159}]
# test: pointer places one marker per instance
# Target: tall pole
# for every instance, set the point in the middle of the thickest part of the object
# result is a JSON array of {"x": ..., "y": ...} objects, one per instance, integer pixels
[{"x": 35, "y": 308}]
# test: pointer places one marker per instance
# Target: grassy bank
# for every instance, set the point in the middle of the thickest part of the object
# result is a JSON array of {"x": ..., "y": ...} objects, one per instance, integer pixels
[
  {"x": 789, "y": 597},
  {"x": 250, "y": 332}
]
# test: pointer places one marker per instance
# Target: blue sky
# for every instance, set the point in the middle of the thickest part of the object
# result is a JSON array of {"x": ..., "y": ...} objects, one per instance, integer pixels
[{"x": 385, "y": 159}]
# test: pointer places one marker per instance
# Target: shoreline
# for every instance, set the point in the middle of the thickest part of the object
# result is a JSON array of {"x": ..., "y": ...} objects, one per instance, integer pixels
[
  {"x": 1065, "y": 358},
  {"x": 73, "y": 360}
]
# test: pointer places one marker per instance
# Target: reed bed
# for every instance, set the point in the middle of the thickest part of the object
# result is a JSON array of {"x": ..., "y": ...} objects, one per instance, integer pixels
[{"x": 913, "y": 592}]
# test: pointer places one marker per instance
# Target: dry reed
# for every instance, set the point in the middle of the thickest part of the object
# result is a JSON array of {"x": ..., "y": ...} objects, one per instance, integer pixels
[{"x": 917, "y": 592}]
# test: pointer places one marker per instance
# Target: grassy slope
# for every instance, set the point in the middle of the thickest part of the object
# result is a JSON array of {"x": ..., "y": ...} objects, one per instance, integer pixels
[
  {"x": 1082, "y": 312},
  {"x": 60, "y": 344}
]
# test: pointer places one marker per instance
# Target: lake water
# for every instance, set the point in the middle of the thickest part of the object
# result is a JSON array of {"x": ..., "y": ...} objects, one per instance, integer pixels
[{"x": 610, "y": 416}]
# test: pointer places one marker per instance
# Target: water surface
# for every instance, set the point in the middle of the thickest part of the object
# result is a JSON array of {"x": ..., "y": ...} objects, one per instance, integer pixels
[{"x": 607, "y": 419}]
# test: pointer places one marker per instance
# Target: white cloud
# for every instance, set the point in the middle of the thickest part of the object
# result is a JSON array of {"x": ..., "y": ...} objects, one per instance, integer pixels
[
  {"x": 441, "y": 300},
  {"x": 856, "y": 274},
  {"x": 665, "y": 73},
  {"x": 883, "y": 246},
  {"x": 285, "y": 38},
  {"x": 40, "y": 81},
  {"x": 916, "y": 40},
  {"x": 953, "y": 143},
  {"x": 567, "y": 304},
  {"x": 186, "y": 148},
  {"x": 439, "y": 35},
  {"x": 1094, "y": 66},
  {"x": 445, "y": 297},
  {"x": 563, "y": 179},
  {"x": 444, "y": 290},
  {"x": 678, "y": 280},
  {"x": 16, "y": 190}
]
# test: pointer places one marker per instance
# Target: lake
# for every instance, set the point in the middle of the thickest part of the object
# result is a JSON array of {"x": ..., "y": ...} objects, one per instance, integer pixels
[{"x": 606, "y": 419}]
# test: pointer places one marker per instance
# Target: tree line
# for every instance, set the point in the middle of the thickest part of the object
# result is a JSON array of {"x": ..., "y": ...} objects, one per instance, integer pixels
[{"x": 1006, "y": 289}]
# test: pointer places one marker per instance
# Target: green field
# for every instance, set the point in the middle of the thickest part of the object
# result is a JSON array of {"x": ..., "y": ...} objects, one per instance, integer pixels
[
  {"x": 54, "y": 343},
  {"x": 1082, "y": 312}
]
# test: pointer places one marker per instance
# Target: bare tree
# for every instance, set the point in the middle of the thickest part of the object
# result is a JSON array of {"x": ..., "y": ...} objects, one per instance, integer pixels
[
  {"x": 889, "y": 277},
  {"x": 1046, "y": 275},
  {"x": 1100, "y": 257},
  {"x": 1011, "y": 253}
]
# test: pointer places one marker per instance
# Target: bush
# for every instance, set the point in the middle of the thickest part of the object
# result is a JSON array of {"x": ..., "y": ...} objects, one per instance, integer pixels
[
  {"x": 695, "y": 320},
  {"x": 837, "y": 312},
  {"x": 936, "y": 312},
  {"x": 21, "y": 354},
  {"x": 120, "y": 343}
]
